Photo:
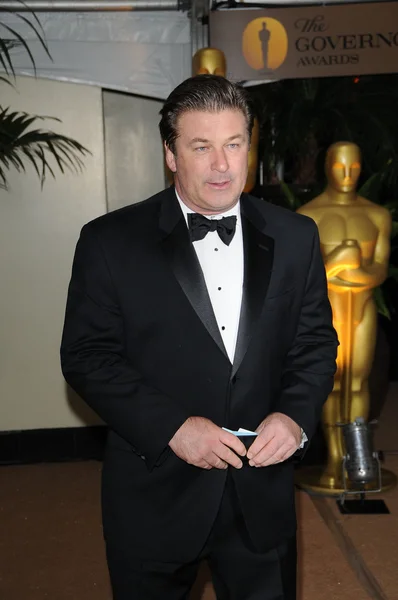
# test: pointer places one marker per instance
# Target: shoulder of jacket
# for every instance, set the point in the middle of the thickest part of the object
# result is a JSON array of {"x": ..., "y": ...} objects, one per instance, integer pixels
[{"x": 132, "y": 215}]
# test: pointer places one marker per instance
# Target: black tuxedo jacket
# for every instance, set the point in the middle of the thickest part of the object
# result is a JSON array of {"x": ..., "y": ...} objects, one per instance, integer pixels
[{"x": 142, "y": 347}]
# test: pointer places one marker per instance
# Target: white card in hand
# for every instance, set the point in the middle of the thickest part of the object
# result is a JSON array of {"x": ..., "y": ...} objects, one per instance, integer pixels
[{"x": 241, "y": 432}]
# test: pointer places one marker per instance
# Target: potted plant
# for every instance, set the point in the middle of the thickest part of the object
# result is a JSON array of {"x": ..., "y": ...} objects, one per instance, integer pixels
[{"x": 22, "y": 140}]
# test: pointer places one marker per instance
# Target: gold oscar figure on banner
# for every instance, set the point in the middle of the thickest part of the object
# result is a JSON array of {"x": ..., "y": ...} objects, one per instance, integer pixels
[
  {"x": 355, "y": 242},
  {"x": 211, "y": 61}
]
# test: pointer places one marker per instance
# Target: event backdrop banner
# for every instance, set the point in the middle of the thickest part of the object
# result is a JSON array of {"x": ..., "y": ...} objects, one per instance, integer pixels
[{"x": 312, "y": 41}]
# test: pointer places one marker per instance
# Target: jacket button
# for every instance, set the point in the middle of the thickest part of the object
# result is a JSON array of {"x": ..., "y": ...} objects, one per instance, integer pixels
[{"x": 234, "y": 378}]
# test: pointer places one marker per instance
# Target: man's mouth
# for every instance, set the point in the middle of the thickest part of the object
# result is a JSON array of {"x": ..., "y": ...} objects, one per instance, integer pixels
[{"x": 219, "y": 185}]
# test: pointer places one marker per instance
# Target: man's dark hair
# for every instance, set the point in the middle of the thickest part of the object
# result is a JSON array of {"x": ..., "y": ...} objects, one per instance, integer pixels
[{"x": 208, "y": 93}]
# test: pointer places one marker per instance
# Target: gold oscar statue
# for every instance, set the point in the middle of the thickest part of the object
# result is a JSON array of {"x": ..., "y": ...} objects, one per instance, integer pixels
[
  {"x": 355, "y": 242},
  {"x": 211, "y": 61}
]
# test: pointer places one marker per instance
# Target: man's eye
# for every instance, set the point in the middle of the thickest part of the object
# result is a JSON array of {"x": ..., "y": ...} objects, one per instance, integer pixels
[
  {"x": 233, "y": 146},
  {"x": 201, "y": 149}
]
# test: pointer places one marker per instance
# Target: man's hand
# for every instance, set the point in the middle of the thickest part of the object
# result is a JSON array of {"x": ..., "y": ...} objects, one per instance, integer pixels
[
  {"x": 201, "y": 443},
  {"x": 278, "y": 438}
]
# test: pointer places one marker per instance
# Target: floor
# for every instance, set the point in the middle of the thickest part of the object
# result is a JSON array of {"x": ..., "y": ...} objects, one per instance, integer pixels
[{"x": 51, "y": 543}]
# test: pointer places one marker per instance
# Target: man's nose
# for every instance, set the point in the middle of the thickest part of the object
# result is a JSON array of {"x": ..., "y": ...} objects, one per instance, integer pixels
[{"x": 220, "y": 161}]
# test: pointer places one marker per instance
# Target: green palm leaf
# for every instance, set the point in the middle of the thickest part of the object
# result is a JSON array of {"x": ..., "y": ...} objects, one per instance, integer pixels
[
  {"x": 381, "y": 304},
  {"x": 292, "y": 201},
  {"x": 7, "y": 44},
  {"x": 39, "y": 147},
  {"x": 394, "y": 229},
  {"x": 21, "y": 141}
]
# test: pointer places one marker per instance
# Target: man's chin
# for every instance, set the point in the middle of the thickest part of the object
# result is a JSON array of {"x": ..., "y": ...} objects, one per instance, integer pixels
[
  {"x": 222, "y": 201},
  {"x": 228, "y": 193}
]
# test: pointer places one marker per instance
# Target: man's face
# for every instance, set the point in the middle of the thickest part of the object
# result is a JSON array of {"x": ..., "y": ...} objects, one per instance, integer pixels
[
  {"x": 211, "y": 160},
  {"x": 344, "y": 168}
]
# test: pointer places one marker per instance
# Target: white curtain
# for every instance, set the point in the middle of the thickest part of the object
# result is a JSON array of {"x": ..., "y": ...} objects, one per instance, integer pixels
[{"x": 144, "y": 53}]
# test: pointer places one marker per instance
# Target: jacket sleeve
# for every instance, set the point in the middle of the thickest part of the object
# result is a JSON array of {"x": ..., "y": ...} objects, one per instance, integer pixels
[
  {"x": 310, "y": 366},
  {"x": 95, "y": 365}
]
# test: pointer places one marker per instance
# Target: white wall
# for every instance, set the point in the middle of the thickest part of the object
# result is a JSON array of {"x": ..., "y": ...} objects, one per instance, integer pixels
[
  {"x": 38, "y": 233},
  {"x": 133, "y": 149}
]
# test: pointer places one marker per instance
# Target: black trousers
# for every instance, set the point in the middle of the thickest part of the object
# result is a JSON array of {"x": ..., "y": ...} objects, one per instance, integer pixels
[{"x": 239, "y": 571}]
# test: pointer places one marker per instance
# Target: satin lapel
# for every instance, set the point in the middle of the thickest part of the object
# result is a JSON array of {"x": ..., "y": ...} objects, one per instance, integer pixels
[
  {"x": 258, "y": 251},
  {"x": 184, "y": 263}
]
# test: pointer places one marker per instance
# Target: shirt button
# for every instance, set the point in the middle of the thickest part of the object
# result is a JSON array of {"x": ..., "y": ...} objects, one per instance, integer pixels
[
  {"x": 219, "y": 289},
  {"x": 223, "y": 327},
  {"x": 215, "y": 249}
]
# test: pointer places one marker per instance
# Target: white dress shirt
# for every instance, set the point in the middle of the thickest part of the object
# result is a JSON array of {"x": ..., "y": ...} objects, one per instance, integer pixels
[{"x": 222, "y": 268}]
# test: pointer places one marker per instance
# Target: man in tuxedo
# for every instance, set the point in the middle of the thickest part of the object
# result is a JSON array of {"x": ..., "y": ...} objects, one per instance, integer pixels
[{"x": 190, "y": 315}]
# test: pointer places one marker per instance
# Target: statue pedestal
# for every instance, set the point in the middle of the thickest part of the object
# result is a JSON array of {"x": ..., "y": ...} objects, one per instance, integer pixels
[{"x": 314, "y": 480}]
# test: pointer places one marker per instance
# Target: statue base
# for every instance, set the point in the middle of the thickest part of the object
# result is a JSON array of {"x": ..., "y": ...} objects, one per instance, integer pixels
[
  {"x": 315, "y": 481},
  {"x": 364, "y": 506}
]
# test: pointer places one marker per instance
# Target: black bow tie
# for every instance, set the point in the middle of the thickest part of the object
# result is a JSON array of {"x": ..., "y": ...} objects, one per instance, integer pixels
[{"x": 199, "y": 226}]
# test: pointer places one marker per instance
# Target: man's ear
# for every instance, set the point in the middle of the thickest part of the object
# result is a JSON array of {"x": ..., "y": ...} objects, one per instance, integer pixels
[{"x": 170, "y": 159}]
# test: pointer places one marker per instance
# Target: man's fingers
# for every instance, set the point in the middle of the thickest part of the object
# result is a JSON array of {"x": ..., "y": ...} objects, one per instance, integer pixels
[
  {"x": 221, "y": 457},
  {"x": 264, "y": 459},
  {"x": 205, "y": 465},
  {"x": 265, "y": 452},
  {"x": 228, "y": 456},
  {"x": 216, "y": 462},
  {"x": 232, "y": 441},
  {"x": 262, "y": 440}
]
